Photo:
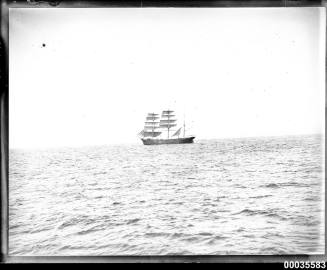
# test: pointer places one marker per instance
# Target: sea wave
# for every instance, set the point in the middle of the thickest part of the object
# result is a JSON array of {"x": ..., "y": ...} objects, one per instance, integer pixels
[{"x": 211, "y": 197}]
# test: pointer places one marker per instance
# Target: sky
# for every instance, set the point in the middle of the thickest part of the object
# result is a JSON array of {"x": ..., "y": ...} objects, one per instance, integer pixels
[{"x": 89, "y": 76}]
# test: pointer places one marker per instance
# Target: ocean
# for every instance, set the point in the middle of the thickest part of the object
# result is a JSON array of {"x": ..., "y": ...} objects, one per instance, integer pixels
[{"x": 214, "y": 197}]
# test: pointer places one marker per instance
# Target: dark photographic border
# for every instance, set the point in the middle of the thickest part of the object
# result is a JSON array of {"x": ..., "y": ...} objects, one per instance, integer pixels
[{"x": 4, "y": 130}]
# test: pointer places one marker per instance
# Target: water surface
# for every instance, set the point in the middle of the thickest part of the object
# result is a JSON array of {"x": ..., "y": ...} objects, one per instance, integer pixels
[{"x": 231, "y": 196}]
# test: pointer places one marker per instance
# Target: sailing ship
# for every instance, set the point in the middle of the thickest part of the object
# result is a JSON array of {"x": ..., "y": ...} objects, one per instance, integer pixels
[{"x": 155, "y": 128}]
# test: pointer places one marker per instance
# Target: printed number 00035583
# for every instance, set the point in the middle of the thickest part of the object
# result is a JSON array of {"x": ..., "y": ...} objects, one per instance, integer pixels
[{"x": 304, "y": 265}]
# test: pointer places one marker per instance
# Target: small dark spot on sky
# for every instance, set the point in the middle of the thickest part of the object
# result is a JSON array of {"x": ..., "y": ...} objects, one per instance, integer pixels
[{"x": 43, "y": 45}]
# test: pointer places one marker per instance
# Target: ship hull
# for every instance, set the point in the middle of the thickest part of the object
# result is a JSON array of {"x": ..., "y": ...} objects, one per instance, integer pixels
[{"x": 168, "y": 141}]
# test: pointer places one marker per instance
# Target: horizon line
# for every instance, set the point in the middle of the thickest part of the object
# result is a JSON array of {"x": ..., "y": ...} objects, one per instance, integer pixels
[{"x": 135, "y": 143}]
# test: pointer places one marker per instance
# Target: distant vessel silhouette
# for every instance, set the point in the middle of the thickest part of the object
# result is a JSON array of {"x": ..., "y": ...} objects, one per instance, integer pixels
[{"x": 154, "y": 129}]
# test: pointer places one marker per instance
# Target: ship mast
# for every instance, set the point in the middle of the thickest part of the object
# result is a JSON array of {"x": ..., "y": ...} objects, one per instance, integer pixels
[
  {"x": 184, "y": 127},
  {"x": 167, "y": 120},
  {"x": 151, "y": 125}
]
